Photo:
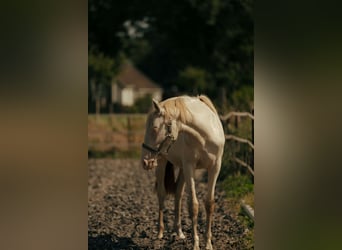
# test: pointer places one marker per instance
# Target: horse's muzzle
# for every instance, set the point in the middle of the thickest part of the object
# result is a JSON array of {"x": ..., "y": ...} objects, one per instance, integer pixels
[{"x": 149, "y": 164}]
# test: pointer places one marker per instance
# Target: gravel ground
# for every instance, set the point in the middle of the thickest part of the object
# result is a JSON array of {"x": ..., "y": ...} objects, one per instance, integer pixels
[{"x": 123, "y": 211}]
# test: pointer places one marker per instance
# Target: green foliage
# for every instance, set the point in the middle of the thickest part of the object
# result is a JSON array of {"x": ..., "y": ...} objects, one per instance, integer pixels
[
  {"x": 135, "y": 49},
  {"x": 144, "y": 104},
  {"x": 101, "y": 68},
  {"x": 198, "y": 46},
  {"x": 242, "y": 99},
  {"x": 231, "y": 167},
  {"x": 227, "y": 168},
  {"x": 193, "y": 78},
  {"x": 249, "y": 235},
  {"x": 236, "y": 186}
]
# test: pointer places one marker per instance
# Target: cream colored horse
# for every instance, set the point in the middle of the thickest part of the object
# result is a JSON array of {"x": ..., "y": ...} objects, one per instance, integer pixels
[{"x": 185, "y": 133}]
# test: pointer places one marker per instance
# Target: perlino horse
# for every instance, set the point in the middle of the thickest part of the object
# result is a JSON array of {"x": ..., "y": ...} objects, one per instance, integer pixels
[{"x": 185, "y": 133}]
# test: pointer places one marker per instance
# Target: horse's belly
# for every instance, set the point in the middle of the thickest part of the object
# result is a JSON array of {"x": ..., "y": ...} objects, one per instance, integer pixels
[{"x": 201, "y": 157}]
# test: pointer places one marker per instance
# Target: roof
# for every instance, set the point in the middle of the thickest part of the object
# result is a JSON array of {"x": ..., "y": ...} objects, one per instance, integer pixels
[{"x": 129, "y": 75}]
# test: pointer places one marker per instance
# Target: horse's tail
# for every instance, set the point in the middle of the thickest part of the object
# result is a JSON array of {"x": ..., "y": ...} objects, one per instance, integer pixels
[
  {"x": 169, "y": 179},
  {"x": 207, "y": 101}
]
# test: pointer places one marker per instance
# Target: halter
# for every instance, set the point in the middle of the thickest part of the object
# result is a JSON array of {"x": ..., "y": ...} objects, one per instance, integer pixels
[{"x": 169, "y": 137}]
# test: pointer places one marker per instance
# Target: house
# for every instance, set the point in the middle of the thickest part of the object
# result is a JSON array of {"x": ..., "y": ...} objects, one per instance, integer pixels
[{"x": 131, "y": 84}]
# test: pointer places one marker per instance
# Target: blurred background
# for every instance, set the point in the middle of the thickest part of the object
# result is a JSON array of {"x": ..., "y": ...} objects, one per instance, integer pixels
[
  {"x": 182, "y": 47},
  {"x": 143, "y": 50}
]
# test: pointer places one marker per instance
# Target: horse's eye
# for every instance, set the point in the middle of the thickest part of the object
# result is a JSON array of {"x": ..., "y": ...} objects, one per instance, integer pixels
[{"x": 155, "y": 129}]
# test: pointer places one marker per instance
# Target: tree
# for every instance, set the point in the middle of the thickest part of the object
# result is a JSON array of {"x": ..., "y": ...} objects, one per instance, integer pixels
[
  {"x": 181, "y": 44},
  {"x": 101, "y": 70},
  {"x": 194, "y": 78}
]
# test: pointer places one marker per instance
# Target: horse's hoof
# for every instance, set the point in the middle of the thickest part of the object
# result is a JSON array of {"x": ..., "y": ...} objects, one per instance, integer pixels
[
  {"x": 179, "y": 234},
  {"x": 160, "y": 235},
  {"x": 209, "y": 246}
]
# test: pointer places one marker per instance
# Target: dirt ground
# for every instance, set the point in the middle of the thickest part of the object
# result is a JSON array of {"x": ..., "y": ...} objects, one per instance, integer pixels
[{"x": 123, "y": 211}]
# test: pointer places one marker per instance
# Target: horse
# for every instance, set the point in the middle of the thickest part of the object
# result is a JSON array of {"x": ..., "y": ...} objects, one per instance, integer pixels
[{"x": 183, "y": 134}]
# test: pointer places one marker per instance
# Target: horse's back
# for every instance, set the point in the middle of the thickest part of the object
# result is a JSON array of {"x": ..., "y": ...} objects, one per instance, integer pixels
[{"x": 206, "y": 120}]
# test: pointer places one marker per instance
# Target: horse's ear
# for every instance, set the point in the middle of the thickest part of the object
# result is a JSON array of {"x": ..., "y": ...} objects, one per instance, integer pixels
[{"x": 157, "y": 106}]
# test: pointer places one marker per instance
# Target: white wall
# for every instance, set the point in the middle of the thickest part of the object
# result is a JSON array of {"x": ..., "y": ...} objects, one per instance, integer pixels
[{"x": 127, "y": 96}]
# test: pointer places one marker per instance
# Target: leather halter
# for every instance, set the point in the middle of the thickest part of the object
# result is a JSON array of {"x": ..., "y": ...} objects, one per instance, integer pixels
[{"x": 168, "y": 137}]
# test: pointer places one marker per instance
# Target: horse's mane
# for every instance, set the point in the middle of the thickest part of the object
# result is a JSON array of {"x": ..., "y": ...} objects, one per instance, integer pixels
[
  {"x": 207, "y": 101},
  {"x": 176, "y": 108}
]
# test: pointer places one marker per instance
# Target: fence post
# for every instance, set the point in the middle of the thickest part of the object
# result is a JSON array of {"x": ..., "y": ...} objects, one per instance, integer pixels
[
  {"x": 129, "y": 131},
  {"x": 235, "y": 119},
  {"x": 253, "y": 126},
  {"x": 227, "y": 126},
  {"x": 237, "y": 122},
  {"x": 252, "y": 156}
]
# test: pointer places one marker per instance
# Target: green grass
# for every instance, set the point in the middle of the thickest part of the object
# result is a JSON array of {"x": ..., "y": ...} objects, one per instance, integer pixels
[
  {"x": 249, "y": 230},
  {"x": 240, "y": 187},
  {"x": 237, "y": 185}
]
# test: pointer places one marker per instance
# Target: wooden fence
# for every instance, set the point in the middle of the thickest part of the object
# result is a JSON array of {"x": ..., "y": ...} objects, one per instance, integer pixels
[
  {"x": 123, "y": 132},
  {"x": 126, "y": 132},
  {"x": 226, "y": 119}
]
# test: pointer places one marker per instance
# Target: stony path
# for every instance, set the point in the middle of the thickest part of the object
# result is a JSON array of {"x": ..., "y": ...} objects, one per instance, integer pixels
[{"x": 123, "y": 207}]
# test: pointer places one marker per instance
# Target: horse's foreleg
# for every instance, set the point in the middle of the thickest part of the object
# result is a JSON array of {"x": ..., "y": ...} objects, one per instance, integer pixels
[
  {"x": 209, "y": 207},
  {"x": 161, "y": 199},
  {"x": 210, "y": 202},
  {"x": 160, "y": 173},
  {"x": 178, "y": 205}
]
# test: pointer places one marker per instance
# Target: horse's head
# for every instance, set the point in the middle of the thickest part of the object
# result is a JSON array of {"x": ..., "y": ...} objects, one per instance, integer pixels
[{"x": 160, "y": 134}]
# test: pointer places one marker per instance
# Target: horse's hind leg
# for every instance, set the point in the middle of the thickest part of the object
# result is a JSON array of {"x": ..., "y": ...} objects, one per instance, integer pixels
[
  {"x": 210, "y": 201},
  {"x": 178, "y": 204}
]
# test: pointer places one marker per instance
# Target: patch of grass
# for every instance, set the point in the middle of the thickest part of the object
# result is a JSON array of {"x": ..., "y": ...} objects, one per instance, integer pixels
[
  {"x": 237, "y": 185},
  {"x": 133, "y": 154},
  {"x": 240, "y": 187},
  {"x": 249, "y": 231},
  {"x": 247, "y": 222},
  {"x": 249, "y": 199},
  {"x": 99, "y": 154}
]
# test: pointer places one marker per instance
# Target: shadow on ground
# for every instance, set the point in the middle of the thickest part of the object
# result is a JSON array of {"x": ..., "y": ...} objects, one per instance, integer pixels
[{"x": 110, "y": 241}]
